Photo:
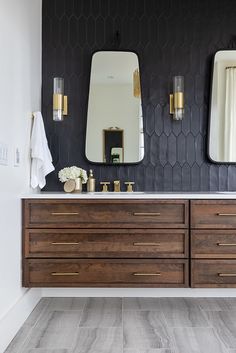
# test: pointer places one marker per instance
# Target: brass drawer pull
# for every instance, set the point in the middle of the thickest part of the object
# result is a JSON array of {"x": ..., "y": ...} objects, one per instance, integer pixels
[
  {"x": 64, "y": 213},
  {"x": 227, "y": 274},
  {"x": 65, "y": 273},
  {"x": 55, "y": 243},
  {"x": 146, "y": 274},
  {"x": 227, "y": 214},
  {"x": 147, "y": 244},
  {"x": 146, "y": 214},
  {"x": 226, "y": 244}
]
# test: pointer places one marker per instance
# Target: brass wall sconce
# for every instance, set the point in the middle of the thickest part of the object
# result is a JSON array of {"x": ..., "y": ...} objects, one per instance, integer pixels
[
  {"x": 177, "y": 98},
  {"x": 136, "y": 84},
  {"x": 60, "y": 103}
]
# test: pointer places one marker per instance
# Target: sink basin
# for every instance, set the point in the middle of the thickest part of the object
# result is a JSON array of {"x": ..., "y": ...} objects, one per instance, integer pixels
[{"x": 225, "y": 192}]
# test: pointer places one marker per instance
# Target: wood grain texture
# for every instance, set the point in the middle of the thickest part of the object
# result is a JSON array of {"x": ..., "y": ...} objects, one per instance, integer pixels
[
  {"x": 213, "y": 214},
  {"x": 104, "y": 272},
  {"x": 207, "y": 273},
  {"x": 213, "y": 244},
  {"x": 110, "y": 243},
  {"x": 105, "y": 213}
]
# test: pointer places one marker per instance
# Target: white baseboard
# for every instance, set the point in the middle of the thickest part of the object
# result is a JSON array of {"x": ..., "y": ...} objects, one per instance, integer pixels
[
  {"x": 14, "y": 319},
  {"x": 139, "y": 292}
]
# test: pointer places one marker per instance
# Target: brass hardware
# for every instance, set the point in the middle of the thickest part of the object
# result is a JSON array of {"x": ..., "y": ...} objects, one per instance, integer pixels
[
  {"x": 55, "y": 243},
  {"x": 60, "y": 102},
  {"x": 227, "y": 274},
  {"x": 146, "y": 274},
  {"x": 65, "y": 273},
  {"x": 129, "y": 186},
  {"x": 226, "y": 214},
  {"x": 171, "y": 104},
  {"x": 230, "y": 67},
  {"x": 116, "y": 186},
  {"x": 104, "y": 185},
  {"x": 179, "y": 100},
  {"x": 136, "y": 84},
  {"x": 146, "y": 214},
  {"x": 176, "y": 101},
  {"x": 226, "y": 244},
  {"x": 146, "y": 244},
  {"x": 64, "y": 213},
  {"x": 65, "y": 105}
]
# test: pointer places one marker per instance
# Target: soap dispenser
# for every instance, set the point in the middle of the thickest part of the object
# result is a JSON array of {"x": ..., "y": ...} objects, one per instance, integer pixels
[{"x": 91, "y": 182}]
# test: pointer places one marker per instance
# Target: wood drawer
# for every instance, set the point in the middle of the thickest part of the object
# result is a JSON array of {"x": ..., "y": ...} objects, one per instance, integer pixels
[
  {"x": 105, "y": 273},
  {"x": 213, "y": 214},
  {"x": 213, "y": 244},
  {"x": 213, "y": 273},
  {"x": 116, "y": 243},
  {"x": 49, "y": 213}
]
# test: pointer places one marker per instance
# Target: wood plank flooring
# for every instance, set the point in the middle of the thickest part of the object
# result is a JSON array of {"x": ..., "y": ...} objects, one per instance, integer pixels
[{"x": 129, "y": 325}]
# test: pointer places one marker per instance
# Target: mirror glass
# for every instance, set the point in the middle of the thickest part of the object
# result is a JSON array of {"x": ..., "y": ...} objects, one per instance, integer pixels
[
  {"x": 115, "y": 120},
  {"x": 222, "y": 134}
]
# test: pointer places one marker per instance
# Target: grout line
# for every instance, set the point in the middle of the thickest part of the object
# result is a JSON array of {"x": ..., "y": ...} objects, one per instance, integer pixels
[{"x": 79, "y": 327}]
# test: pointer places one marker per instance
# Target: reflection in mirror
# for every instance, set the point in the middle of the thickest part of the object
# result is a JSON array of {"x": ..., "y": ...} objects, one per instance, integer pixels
[
  {"x": 222, "y": 139},
  {"x": 115, "y": 120}
]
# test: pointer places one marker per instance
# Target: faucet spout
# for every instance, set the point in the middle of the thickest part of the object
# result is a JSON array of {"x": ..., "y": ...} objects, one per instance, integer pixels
[{"x": 116, "y": 185}]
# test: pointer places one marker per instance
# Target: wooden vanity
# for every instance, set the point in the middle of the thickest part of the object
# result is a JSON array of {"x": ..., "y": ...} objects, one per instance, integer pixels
[{"x": 76, "y": 242}]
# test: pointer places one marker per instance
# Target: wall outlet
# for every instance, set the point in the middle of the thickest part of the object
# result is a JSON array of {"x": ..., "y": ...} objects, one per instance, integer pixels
[
  {"x": 3, "y": 154},
  {"x": 17, "y": 157}
]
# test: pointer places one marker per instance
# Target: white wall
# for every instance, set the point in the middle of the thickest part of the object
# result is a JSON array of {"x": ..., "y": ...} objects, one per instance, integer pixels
[{"x": 20, "y": 92}]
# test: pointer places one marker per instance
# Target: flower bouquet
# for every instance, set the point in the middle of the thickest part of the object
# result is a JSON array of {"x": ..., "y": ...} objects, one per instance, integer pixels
[{"x": 75, "y": 174}]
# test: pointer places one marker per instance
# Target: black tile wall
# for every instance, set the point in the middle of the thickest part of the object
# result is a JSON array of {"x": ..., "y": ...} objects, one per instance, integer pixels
[{"x": 171, "y": 37}]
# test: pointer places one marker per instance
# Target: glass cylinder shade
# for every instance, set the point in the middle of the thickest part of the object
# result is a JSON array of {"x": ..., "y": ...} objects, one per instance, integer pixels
[
  {"x": 58, "y": 97},
  {"x": 178, "y": 91}
]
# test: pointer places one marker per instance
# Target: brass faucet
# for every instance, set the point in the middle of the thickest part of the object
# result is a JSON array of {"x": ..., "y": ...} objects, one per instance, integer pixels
[{"x": 116, "y": 185}]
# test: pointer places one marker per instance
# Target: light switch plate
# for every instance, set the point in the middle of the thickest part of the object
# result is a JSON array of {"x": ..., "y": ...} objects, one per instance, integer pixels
[{"x": 3, "y": 154}]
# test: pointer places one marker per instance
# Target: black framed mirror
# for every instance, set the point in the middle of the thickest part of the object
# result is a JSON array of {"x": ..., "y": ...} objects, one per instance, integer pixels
[{"x": 222, "y": 120}]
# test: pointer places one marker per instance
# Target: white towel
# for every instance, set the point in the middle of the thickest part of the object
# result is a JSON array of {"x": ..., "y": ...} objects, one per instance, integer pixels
[{"x": 41, "y": 158}]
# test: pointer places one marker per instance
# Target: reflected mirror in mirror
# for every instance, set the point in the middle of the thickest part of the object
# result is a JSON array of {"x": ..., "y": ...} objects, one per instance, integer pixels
[
  {"x": 115, "y": 120},
  {"x": 222, "y": 133}
]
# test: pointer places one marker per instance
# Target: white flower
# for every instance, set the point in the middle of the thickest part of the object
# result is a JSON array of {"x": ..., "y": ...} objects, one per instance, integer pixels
[{"x": 72, "y": 173}]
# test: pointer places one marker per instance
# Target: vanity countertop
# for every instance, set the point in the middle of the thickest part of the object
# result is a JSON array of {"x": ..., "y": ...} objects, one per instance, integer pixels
[{"x": 133, "y": 195}]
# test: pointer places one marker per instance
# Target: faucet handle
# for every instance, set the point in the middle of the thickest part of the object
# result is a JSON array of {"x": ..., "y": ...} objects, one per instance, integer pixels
[
  {"x": 104, "y": 185},
  {"x": 129, "y": 186}
]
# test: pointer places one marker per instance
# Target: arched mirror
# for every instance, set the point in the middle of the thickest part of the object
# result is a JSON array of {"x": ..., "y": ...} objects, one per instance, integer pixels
[
  {"x": 114, "y": 120},
  {"x": 222, "y": 133}
]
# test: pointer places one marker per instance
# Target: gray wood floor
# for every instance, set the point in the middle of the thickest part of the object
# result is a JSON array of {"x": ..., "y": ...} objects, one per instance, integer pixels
[{"x": 129, "y": 325}]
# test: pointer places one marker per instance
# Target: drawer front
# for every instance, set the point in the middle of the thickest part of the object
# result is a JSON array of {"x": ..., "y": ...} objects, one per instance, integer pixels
[
  {"x": 213, "y": 244},
  {"x": 105, "y": 273},
  {"x": 213, "y": 273},
  {"x": 106, "y": 213},
  {"x": 116, "y": 243},
  {"x": 213, "y": 214}
]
